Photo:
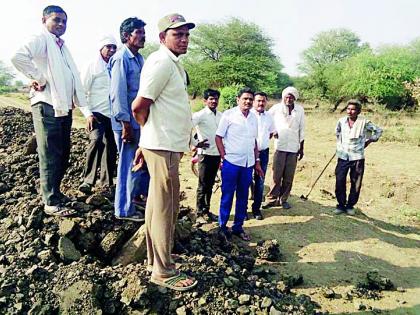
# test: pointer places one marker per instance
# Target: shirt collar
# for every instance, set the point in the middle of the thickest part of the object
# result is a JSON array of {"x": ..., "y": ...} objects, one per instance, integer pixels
[
  {"x": 209, "y": 111},
  {"x": 171, "y": 55},
  {"x": 130, "y": 53},
  {"x": 253, "y": 110}
]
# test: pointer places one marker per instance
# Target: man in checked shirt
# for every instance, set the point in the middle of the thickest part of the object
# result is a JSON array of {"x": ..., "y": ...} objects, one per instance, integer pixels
[{"x": 354, "y": 133}]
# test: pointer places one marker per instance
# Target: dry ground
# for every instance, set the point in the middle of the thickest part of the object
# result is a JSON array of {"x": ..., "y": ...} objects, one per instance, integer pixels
[{"x": 337, "y": 251}]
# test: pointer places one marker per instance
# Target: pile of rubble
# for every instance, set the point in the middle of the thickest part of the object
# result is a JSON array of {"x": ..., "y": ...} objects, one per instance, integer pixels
[{"x": 93, "y": 264}]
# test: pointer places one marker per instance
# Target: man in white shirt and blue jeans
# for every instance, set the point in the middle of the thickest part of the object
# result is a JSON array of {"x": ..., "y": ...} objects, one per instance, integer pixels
[
  {"x": 236, "y": 141},
  {"x": 205, "y": 122},
  {"x": 102, "y": 150},
  {"x": 55, "y": 89}
]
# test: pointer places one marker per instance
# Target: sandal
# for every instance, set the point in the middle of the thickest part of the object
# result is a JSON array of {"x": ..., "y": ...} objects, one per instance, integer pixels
[
  {"x": 242, "y": 235},
  {"x": 172, "y": 282},
  {"x": 59, "y": 211}
]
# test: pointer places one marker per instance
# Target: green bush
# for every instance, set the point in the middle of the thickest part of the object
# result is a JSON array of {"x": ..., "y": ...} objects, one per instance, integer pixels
[{"x": 228, "y": 96}]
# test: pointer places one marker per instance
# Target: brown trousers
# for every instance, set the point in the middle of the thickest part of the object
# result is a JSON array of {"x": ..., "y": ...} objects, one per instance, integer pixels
[
  {"x": 161, "y": 209},
  {"x": 284, "y": 167}
]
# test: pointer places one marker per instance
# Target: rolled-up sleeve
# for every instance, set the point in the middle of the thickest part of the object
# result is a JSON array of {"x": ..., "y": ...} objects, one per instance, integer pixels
[
  {"x": 375, "y": 131},
  {"x": 120, "y": 109}
]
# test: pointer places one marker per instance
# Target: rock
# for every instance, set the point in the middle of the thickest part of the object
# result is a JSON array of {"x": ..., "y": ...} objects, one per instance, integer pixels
[
  {"x": 244, "y": 299},
  {"x": 183, "y": 229},
  {"x": 82, "y": 297},
  {"x": 266, "y": 302},
  {"x": 401, "y": 289},
  {"x": 243, "y": 310},
  {"x": 328, "y": 293},
  {"x": 231, "y": 304},
  {"x": 67, "y": 250},
  {"x": 202, "y": 301},
  {"x": 35, "y": 219},
  {"x": 3, "y": 188},
  {"x": 181, "y": 310},
  {"x": 112, "y": 242},
  {"x": 39, "y": 308},
  {"x": 30, "y": 145},
  {"x": 135, "y": 250},
  {"x": 268, "y": 250},
  {"x": 274, "y": 311},
  {"x": 66, "y": 227},
  {"x": 96, "y": 200},
  {"x": 228, "y": 282},
  {"x": 134, "y": 291},
  {"x": 359, "y": 306}
]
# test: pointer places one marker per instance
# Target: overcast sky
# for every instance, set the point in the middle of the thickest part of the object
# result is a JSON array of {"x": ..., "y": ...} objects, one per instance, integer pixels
[{"x": 290, "y": 23}]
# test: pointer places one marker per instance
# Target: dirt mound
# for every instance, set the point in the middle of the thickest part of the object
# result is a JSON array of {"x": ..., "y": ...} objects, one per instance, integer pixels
[{"x": 51, "y": 265}]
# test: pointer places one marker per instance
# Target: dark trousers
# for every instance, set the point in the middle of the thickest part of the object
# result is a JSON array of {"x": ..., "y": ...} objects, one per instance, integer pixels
[
  {"x": 207, "y": 170},
  {"x": 101, "y": 152},
  {"x": 259, "y": 181},
  {"x": 53, "y": 141},
  {"x": 356, "y": 169}
]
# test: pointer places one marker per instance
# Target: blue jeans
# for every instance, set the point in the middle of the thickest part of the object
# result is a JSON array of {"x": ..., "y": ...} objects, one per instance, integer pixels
[
  {"x": 259, "y": 181},
  {"x": 129, "y": 184},
  {"x": 234, "y": 178}
]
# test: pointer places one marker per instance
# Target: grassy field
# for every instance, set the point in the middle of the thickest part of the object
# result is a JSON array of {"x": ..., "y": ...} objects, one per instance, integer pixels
[{"x": 337, "y": 251}]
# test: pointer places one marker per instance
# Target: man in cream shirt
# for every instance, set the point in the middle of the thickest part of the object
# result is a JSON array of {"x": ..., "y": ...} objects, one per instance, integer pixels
[
  {"x": 205, "y": 122},
  {"x": 162, "y": 109},
  {"x": 289, "y": 121},
  {"x": 55, "y": 89}
]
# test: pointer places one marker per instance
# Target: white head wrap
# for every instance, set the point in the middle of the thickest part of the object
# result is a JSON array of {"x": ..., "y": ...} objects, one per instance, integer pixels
[
  {"x": 107, "y": 40},
  {"x": 290, "y": 90}
]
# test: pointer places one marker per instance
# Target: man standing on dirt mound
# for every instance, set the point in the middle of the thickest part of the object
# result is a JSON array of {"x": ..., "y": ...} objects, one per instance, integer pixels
[
  {"x": 236, "y": 140},
  {"x": 354, "y": 133},
  {"x": 125, "y": 68},
  {"x": 162, "y": 109},
  {"x": 55, "y": 89},
  {"x": 289, "y": 120},
  {"x": 101, "y": 150}
]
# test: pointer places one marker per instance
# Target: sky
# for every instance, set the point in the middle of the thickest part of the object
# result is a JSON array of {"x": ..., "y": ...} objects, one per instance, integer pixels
[{"x": 290, "y": 23}]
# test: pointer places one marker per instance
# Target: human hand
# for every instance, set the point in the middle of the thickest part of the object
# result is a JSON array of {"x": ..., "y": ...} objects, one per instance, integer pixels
[
  {"x": 258, "y": 169},
  {"x": 127, "y": 132},
  {"x": 138, "y": 161},
  {"x": 37, "y": 86},
  {"x": 203, "y": 144},
  {"x": 90, "y": 123}
]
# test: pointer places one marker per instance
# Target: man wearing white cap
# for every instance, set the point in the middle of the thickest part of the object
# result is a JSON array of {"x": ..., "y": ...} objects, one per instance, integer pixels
[
  {"x": 289, "y": 121},
  {"x": 163, "y": 111},
  {"x": 102, "y": 150}
]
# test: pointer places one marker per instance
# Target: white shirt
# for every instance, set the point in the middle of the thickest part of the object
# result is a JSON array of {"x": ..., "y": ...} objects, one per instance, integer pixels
[
  {"x": 205, "y": 122},
  {"x": 289, "y": 128},
  {"x": 239, "y": 134},
  {"x": 32, "y": 60},
  {"x": 163, "y": 80},
  {"x": 95, "y": 79},
  {"x": 265, "y": 128}
]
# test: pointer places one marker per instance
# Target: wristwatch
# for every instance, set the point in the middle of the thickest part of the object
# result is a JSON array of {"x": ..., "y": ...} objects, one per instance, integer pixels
[{"x": 257, "y": 159}]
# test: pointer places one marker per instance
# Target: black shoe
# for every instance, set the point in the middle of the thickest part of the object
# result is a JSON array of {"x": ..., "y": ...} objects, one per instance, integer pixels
[
  {"x": 257, "y": 215},
  {"x": 212, "y": 217},
  {"x": 285, "y": 205},
  {"x": 85, "y": 188}
]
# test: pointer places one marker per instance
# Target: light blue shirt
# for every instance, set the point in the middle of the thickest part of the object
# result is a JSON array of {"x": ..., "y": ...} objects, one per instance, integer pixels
[
  {"x": 352, "y": 149},
  {"x": 124, "y": 69}
]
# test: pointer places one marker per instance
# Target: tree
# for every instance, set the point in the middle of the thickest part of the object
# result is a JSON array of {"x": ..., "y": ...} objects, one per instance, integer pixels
[
  {"x": 327, "y": 50},
  {"x": 6, "y": 78},
  {"x": 148, "y": 49},
  {"x": 382, "y": 76},
  {"x": 233, "y": 53}
]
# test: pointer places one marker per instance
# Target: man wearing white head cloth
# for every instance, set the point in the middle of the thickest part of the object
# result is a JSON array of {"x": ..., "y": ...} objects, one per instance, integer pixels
[
  {"x": 102, "y": 150},
  {"x": 289, "y": 121}
]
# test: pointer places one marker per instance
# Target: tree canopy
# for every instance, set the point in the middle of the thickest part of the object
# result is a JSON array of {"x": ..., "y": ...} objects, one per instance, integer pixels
[{"x": 233, "y": 53}]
